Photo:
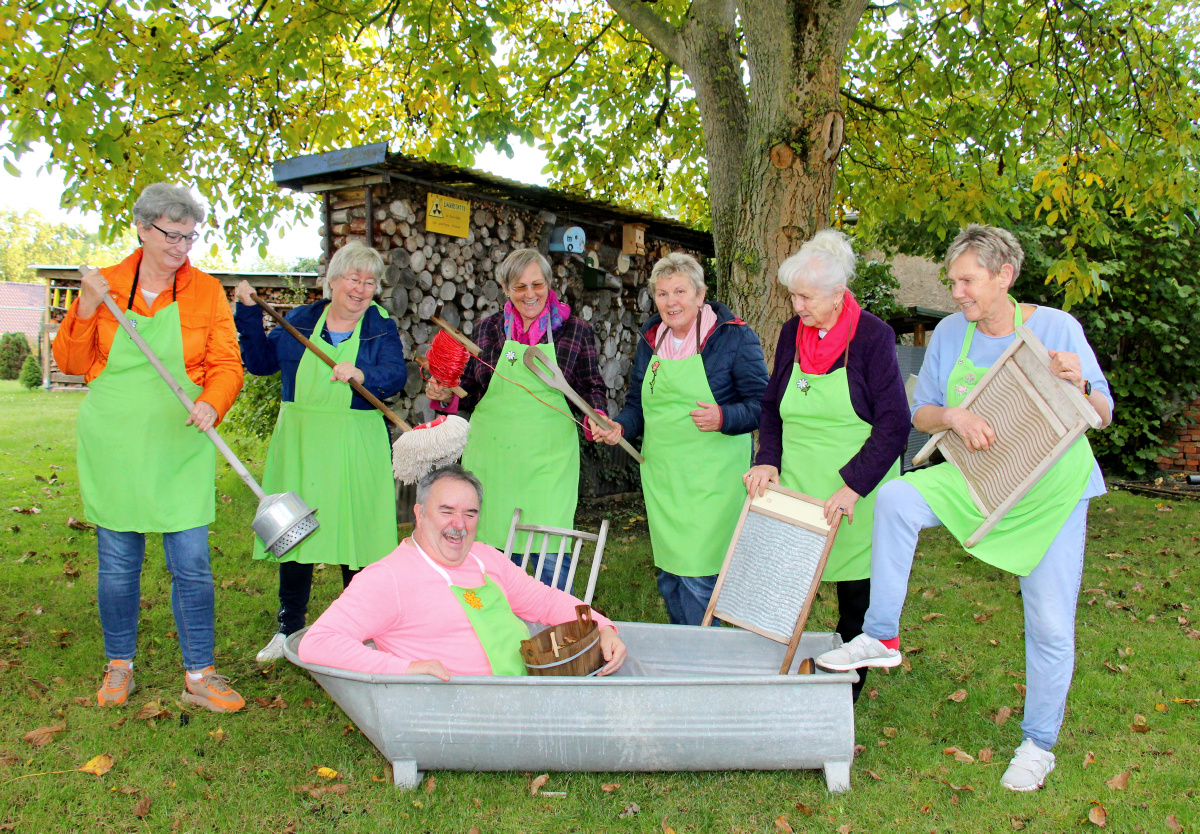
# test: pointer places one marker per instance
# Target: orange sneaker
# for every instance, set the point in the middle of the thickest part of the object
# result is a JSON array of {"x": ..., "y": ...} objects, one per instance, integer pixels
[
  {"x": 212, "y": 691},
  {"x": 118, "y": 683}
]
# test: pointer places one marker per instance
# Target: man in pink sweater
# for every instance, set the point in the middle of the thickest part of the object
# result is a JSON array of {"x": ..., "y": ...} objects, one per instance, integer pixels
[{"x": 440, "y": 604}]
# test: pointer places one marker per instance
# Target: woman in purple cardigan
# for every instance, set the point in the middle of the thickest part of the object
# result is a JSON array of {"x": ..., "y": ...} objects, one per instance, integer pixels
[{"x": 834, "y": 416}]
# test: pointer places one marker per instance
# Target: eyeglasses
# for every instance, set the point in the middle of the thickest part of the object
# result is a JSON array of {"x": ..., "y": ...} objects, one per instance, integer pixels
[
  {"x": 368, "y": 284},
  {"x": 176, "y": 237},
  {"x": 536, "y": 286}
]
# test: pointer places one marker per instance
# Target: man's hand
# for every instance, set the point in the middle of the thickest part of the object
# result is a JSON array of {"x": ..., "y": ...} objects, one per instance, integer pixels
[
  {"x": 428, "y": 667},
  {"x": 613, "y": 649}
]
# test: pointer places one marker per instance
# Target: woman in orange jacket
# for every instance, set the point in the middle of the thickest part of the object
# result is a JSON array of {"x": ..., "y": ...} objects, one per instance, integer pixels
[{"x": 144, "y": 464}]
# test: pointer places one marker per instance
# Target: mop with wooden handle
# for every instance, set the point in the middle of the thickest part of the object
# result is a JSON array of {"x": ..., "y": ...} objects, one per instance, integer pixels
[{"x": 419, "y": 448}]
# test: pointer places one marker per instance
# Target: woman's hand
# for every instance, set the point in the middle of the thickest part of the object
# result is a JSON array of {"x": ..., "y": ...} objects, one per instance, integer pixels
[
  {"x": 973, "y": 429},
  {"x": 603, "y": 435},
  {"x": 242, "y": 293},
  {"x": 613, "y": 649},
  {"x": 203, "y": 416},
  {"x": 758, "y": 477},
  {"x": 437, "y": 392},
  {"x": 843, "y": 502},
  {"x": 92, "y": 288},
  {"x": 428, "y": 667},
  {"x": 345, "y": 371},
  {"x": 1067, "y": 366},
  {"x": 707, "y": 417}
]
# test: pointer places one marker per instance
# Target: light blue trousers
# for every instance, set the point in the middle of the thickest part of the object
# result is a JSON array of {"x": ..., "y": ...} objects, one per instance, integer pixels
[{"x": 1049, "y": 593}]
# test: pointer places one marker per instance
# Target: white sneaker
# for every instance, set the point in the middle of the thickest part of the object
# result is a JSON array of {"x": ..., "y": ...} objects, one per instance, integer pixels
[
  {"x": 273, "y": 650},
  {"x": 1029, "y": 768},
  {"x": 862, "y": 651}
]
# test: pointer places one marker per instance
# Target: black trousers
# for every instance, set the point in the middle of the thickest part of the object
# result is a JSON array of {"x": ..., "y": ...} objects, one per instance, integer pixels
[
  {"x": 295, "y": 585},
  {"x": 854, "y": 597}
]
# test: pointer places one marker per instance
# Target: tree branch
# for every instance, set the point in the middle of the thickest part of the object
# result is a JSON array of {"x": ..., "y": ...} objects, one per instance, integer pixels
[{"x": 662, "y": 35}]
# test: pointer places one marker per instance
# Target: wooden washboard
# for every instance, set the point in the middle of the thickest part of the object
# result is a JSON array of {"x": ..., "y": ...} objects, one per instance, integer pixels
[
  {"x": 1036, "y": 417},
  {"x": 773, "y": 567}
]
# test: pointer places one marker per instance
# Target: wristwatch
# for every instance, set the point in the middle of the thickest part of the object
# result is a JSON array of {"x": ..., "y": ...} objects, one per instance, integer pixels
[{"x": 1087, "y": 388}]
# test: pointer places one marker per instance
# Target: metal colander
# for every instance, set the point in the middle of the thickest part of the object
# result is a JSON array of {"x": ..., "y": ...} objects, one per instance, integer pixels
[{"x": 283, "y": 521}]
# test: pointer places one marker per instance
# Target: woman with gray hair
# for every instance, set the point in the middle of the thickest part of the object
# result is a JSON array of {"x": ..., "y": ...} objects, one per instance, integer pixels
[
  {"x": 329, "y": 443},
  {"x": 834, "y": 416},
  {"x": 141, "y": 468},
  {"x": 698, "y": 377},
  {"x": 1041, "y": 539},
  {"x": 525, "y": 448}
]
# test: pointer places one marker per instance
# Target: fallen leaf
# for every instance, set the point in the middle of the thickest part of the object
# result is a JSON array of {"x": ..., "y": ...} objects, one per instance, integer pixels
[
  {"x": 609, "y": 787},
  {"x": 1161, "y": 707},
  {"x": 926, "y": 809},
  {"x": 782, "y": 826},
  {"x": 126, "y": 790},
  {"x": 872, "y": 693},
  {"x": 150, "y": 710},
  {"x": 890, "y": 732},
  {"x": 327, "y": 772},
  {"x": 804, "y": 809},
  {"x": 957, "y": 787},
  {"x": 263, "y": 702},
  {"x": 44, "y": 735},
  {"x": 980, "y": 618},
  {"x": 957, "y": 696},
  {"x": 1174, "y": 825},
  {"x": 963, "y": 756},
  {"x": 929, "y": 593},
  {"x": 98, "y": 765},
  {"x": 859, "y": 748},
  {"x": 430, "y": 784},
  {"x": 875, "y": 776},
  {"x": 845, "y": 829},
  {"x": 218, "y": 734},
  {"x": 76, "y": 524},
  {"x": 1017, "y": 824},
  {"x": 1098, "y": 816},
  {"x": 70, "y": 571},
  {"x": 1020, "y": 687},
  {"x": 378, "y": 778},
  {"x": 308, "y": 702},
  {"x": 929, "y": 617},
  {"x": 666, "y": 829},
  {"x": 1119, "y": 782},
  {"x": 1139, "y": 724},
  {"x": 985, "y": 755},
  {"x": 225, "y": 499},
  {"x": 278, "y": 703},
  {"x": 142, "y": 808},
  {"x": 629, "y": 810},
  {"x": 1090, "y": 758},
  {"x": 537, "y": 783},
  {"x": 1002, "y": 715},
  {"x": 1119, "y": 668},
  {"x": 474, "y": 829},
  {"x": 318, "y": 791}
]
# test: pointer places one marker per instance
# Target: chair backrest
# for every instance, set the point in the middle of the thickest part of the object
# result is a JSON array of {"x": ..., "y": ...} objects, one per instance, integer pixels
[{"x": 554, "y": 543}]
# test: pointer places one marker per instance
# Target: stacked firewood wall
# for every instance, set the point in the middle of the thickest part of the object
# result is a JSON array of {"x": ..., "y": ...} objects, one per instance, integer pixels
[{"x": 425, "y": 270}]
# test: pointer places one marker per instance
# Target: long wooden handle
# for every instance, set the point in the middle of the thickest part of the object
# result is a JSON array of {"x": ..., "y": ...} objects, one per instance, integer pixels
[
  {"x": 174, "y": 385},
  {"x": 304, "y": 340},
  {"x": 457, "y": 336},
  {"x": 535, "y": 360}
]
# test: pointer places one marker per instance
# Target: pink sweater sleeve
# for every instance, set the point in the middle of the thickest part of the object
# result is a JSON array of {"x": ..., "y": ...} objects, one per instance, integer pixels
[
  {"x": 369, "y": 607},
  {"x": 531, "y": 600}
]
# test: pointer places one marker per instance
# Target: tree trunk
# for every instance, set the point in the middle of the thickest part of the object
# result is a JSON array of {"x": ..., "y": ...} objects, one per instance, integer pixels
[{"x": 772, "y": 149}]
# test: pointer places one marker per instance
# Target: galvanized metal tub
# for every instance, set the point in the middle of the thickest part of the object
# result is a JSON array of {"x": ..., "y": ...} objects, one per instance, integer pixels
[{"x": 715, "y": 702}]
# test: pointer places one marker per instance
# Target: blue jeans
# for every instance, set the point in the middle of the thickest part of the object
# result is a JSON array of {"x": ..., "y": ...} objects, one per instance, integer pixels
[
  {"x": 1049, "y": 595},
  {"x": 119, "y": 590},
  {"x": 548, "y": 568},
  {"x": 686, "y": 597}
]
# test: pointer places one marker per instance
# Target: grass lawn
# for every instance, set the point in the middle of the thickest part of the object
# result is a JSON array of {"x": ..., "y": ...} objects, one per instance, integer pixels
[{"x": 1129, "y": 743}]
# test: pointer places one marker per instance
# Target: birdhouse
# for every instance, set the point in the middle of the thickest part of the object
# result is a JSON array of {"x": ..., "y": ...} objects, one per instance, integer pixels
[
  {"x": 633, "y": 239},
  {"x": 567, "y": 239}
]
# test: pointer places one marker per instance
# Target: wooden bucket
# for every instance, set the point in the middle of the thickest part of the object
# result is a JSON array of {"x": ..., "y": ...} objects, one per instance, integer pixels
[{"x": 571, "y": 648}]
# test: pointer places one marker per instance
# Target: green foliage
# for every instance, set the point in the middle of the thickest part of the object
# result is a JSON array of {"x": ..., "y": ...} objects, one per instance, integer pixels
[
  {"x": 14, "y": 347},
  {"x": 875, "y": 288},
  {"x": 256, "y": 408},
  {"x": 31, "y": 372},
  {"x": 31, "y": 239}
]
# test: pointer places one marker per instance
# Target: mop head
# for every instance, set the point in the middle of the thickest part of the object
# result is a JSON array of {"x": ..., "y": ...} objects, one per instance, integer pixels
[{"x": 428, "y": 446}]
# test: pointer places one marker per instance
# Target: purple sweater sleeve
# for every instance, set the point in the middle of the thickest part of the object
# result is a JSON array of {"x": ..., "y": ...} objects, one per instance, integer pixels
[{"x": 876, "y": 393}]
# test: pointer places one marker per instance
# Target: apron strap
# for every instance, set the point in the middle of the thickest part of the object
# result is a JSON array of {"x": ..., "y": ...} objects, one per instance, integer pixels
[
  {"x": 441, "y": 570},
  {"x": 137, "y": 274}
]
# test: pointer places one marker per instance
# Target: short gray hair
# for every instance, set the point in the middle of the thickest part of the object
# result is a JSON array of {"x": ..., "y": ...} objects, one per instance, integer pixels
[
  {"x": 992, "y": 246},
  {"x": 681, "y": 264},
  {"x": 163, "y": 199},
  {"x": 455, "y": 473},
  {"x": 823, "y": 262},
  {"x": 356, "y": 257},
  {"x": 514, "y": 266}
]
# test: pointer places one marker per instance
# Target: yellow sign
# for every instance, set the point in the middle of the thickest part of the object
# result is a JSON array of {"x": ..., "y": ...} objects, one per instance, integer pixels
[{"x": 447, "y": 216}]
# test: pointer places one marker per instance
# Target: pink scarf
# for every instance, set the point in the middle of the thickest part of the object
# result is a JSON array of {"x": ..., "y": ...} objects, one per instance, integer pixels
[
  {"x": 664, "y": 342},
  {"x": 551, "y": 317},
  {"x": 817, "y": 355}
]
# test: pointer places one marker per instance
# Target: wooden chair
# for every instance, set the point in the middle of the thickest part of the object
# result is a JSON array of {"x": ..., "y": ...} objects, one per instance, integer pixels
[
  {"x": 773, "y": 567},
  {"x": 569, "y": 542},
  {"x": 1036, "y": 416}
]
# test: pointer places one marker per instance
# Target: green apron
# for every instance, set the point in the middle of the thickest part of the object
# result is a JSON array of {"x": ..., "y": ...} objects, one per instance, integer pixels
[
  {"x": 821, "y": 433},
  {"x": 499, "y": 630},
  {"x": 692, "y": 479},
  {"x": 1019, "y": 541},
  {"x": 338, "y": 459},
  {"x": 140, "y": 468},
  {"x": 525, "y": 454}
]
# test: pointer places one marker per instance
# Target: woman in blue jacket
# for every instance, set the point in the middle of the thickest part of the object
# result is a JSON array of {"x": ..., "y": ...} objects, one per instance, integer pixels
[
  {"x": 330, "y": 445},
  {"x": 698, "y": 381}
]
